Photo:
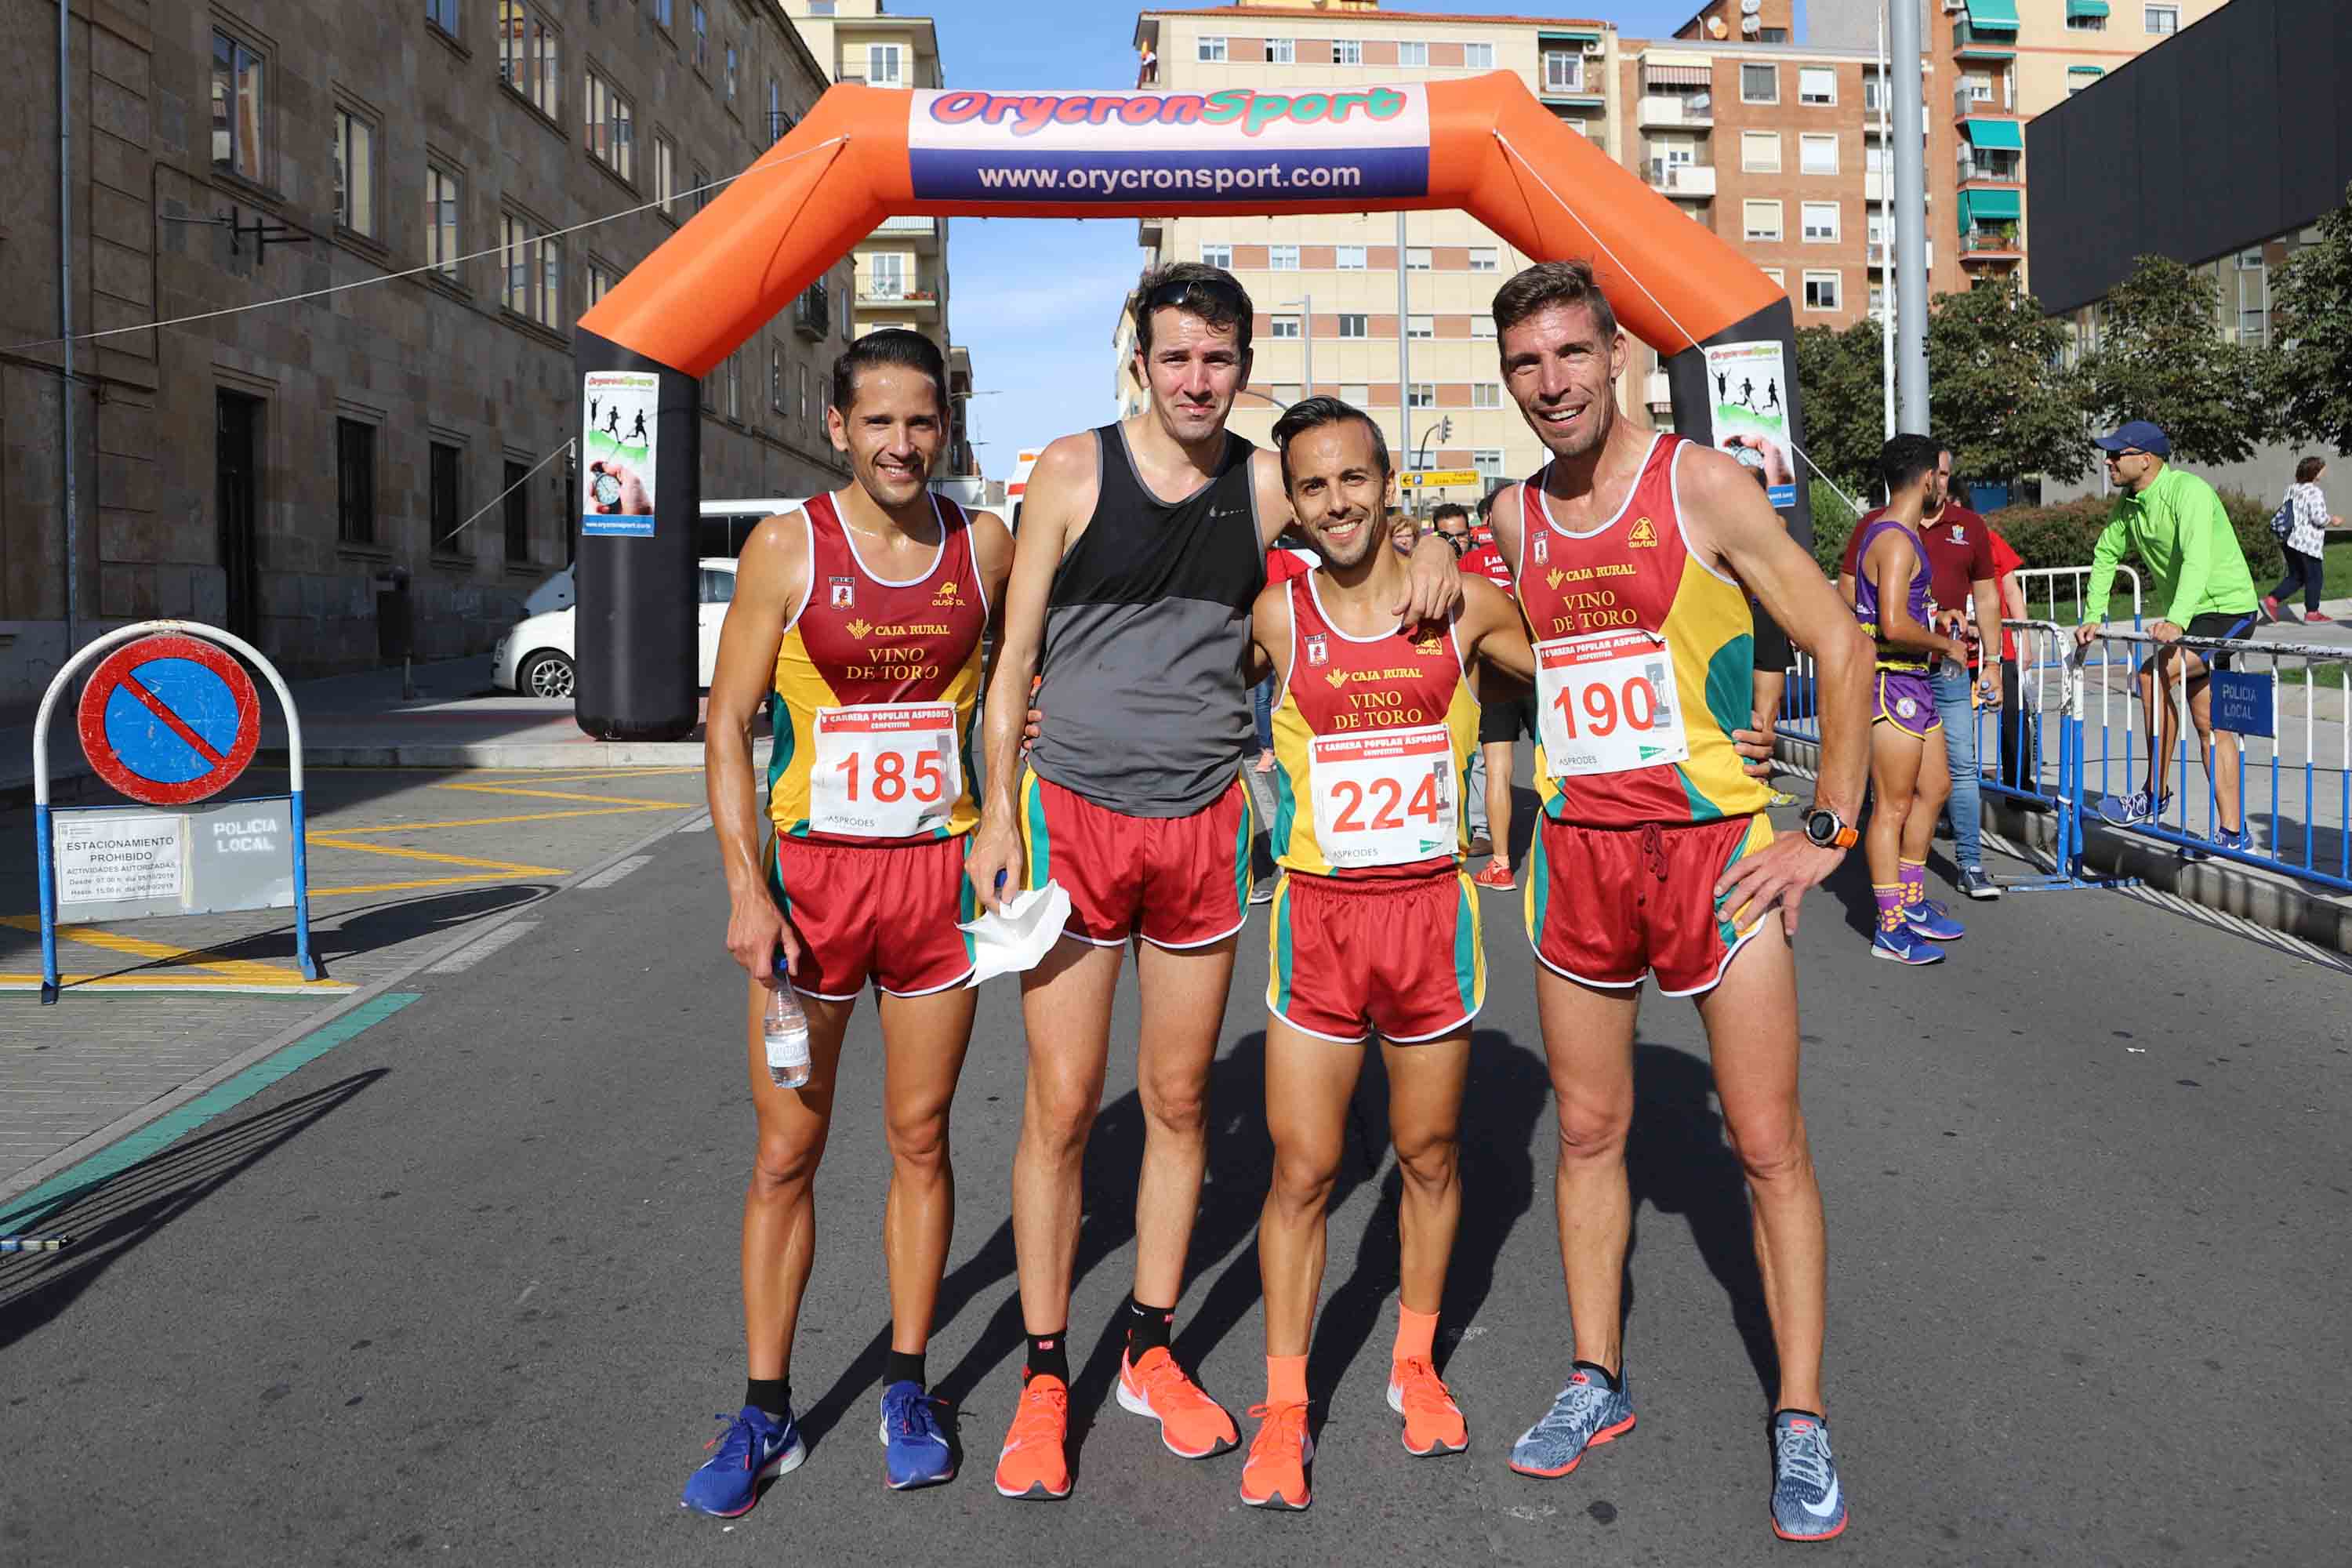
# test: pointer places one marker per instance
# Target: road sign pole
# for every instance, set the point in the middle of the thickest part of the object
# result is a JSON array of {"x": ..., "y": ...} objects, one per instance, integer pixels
[{"x": 48, "y": 893}]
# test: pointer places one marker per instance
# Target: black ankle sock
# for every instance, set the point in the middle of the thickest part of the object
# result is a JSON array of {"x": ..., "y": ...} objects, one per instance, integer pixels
[
  {"x": 1798, "y": 1410},
  {"x": 905, "y": 1366},
  {"x": 1147, "y": 1328},
  {"x": 1049, "y": 1356},
  {"x": 772, "y": 1396},
  {"x": 1606, "y": 1375}
]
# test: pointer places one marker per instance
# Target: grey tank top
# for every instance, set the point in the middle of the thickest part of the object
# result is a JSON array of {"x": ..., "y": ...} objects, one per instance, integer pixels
[{"x": 1147, "y": 641}]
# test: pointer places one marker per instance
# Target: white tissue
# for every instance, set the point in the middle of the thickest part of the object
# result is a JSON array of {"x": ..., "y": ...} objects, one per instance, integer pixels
[{"x": 1021, "y": 936}]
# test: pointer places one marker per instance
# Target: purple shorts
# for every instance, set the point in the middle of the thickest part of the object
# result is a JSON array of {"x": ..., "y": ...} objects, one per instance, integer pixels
[{"x": 1903, "y": 700}]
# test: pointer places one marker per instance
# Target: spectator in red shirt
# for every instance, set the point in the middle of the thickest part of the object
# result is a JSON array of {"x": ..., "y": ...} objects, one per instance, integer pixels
[
  {"x": 1960, "y": 557},
  {"x": 2019, "y": 764}
]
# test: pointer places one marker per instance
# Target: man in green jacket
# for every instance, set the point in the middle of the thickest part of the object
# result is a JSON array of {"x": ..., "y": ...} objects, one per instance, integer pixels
[{"x": 2176, "y": 524}]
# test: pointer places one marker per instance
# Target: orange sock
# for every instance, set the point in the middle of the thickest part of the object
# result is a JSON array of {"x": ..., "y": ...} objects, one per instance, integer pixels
[
  {"x": 1416, "y": 1334},
  {"x": 1286, "y": 1380}
]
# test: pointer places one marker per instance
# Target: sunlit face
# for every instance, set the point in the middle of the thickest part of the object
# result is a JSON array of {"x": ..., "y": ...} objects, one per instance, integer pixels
[
  {"x": 2131, "y": 469},
  {"x": 1337, "y": 490},
  {"x": 1193, "y": 371},
  {"x": 1403, "y": 532},
  {"x": 891, "y": 432},
  {"x": 1455, "y": 530},
  {"x": 1939, "y": 483},
  {"x": 1563, "y": 372}
]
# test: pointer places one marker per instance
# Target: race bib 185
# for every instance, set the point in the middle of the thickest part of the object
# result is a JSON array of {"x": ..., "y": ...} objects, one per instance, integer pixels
[{"x": 887, "y": 770}]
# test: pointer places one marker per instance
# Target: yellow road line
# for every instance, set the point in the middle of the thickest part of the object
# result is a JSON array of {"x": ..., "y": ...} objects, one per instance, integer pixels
[
  {"x": 422, "y": 882},
  {"x": 507, "y": 867},
  {"x": 244, "y": 969},
  {"x": 496, "y": 821},
  {"x": 565, "y": 795},
  {"x": 523, "y": 776},
  {"x": 294, "y": 986}
]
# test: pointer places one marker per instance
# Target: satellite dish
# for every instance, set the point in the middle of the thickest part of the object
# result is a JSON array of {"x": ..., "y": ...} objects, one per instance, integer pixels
[
  {"x": 1749, "y": 7},
  {"x": 1751, "y": 25},
  {"x": 1715, "y": 27}
]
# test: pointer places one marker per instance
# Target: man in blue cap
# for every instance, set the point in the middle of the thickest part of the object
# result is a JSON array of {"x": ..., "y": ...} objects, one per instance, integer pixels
[{"x": 2184, "y": 541}]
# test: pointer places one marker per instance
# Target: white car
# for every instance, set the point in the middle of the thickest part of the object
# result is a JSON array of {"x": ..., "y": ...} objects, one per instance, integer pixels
[{"x": 536, "y": 657}]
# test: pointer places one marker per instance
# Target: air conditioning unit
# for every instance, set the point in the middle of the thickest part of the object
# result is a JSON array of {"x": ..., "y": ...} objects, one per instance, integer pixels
[
  {"x": 1595, "y": 47},
  {"x": 1954, "y": 7}
]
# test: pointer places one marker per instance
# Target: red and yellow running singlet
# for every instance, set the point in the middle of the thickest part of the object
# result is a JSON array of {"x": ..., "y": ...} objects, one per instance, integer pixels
[
  {"x": 876, "y": 686},
  {"x": 1645, "y": 660}
]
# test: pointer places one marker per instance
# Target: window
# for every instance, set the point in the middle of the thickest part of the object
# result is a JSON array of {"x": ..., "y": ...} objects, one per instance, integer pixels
[
  {"x": 776, "y": 379},
  {"x": 701, "y": 22},
  {"x": 734, "y": 406},
  {"x": 1417, "y": 259},
  {"x": 1420, "y": 326},
  {"x": 599, "y": 281},
  {"x": 445, "y": 490},
  {"x": 1759, "y": 84},
  {"x": 666, "y": 173},
  {"x": 1485, "y": 395},
  {"x": 2161, "y": 18},
  {"x": 703, "y": 191},
  {"x": 1873, "y": 90},
  {"x": 1282, "y": 258},
  {"x": 662, "y": 13},
  {"x": 1356, "y": 393},
  {"x": 354, "y": 173},
  {"x": 354, "y": 482},
  {"x": 731, "y": 70},
  {"x": 1816, "y": 84},
  {"x": 885, "y": 272},
  {"x": 780, "y": 120},
  {"x": 236, "y": 107},
  {"x": 1355, "y": 326},
  {"x": 1282, "y": 327},
  {"x": 1349, "y": 258},
  {"x": 2086, "y": 22},
  {"x": 2254, "y": 297},
  {"x": 529, "y": 60},
  {"x": 885, "y": 65},
  {"x": 1488, "y": 461},
  {"x": 1478, "y": 57},
  {"x": 1979, "y": 87},
  {"x": 1485, "y": 259},
  {"x": 1877, "y": 299},
  {"x": 1347, "y": 52},
  {"x": 1774, "y": 273},
  {"x": 1482, "y": 325},
  {"x": 1817, "y": 154},
  {"x": 1821, "y": 290},
  {"x": 1563, "y": 70},
  {"x": 443, "y": 14},
  {"x": 1216, "y": 253},
  {"x": 533, "y": 285},
  {"x": 716, "y": 587},
  {"x": 516, "y": 504},
  {"x": 1420, "y": 395},
  {"x": 1761, "y": 220},
  {"x": 1281, "y": 51},
  {"x": 1413, "y": 54},
  {"x": 441, "y": 194},
  {"x": 1287, "y": 393},
  {"x": 1820, "y": 221},
  {"x": 611, "y": 135},
  {"x": 1209, "y": 50},
  {"x": 817, "y": 7},
  {"x": 1760, "y": 151}
]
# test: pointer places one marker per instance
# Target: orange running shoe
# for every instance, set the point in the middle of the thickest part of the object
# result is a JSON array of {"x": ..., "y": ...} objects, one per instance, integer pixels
[
  {"x": 1276, "y": 1476},
  {"x": 1191, "y": 1424},
  {"x": 1497, "y": 875},
  {"x": 1033, "y": 1465},
  {"x": 1432, "y": 1422}
]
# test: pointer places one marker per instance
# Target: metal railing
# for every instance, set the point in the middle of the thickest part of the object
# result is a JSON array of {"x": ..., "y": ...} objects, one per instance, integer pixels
[{"x": 2040, "y": 586}]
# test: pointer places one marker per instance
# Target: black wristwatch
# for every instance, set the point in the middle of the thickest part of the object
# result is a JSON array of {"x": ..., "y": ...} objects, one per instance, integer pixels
[{"x": 1827, "y": 829}]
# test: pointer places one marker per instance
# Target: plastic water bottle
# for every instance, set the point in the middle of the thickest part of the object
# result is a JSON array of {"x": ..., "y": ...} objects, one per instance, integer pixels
[{"x": 784, "y": 1026}]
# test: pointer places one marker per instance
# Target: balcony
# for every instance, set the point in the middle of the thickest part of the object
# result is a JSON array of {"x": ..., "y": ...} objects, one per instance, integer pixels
[
  {"x": 1687, "y": 182},
  {"x": 881, "y": 297},
  {"x": 923, "y": 231},
  {"x": 1965, "y": 106},
  {"x": 1993, "y": 171},
  {"x": 1677, "y": 111},
  {"x": 1971, "y": 44},
  {"x": 813, "y": 312},
  {"x": 1999, "y": 244}
]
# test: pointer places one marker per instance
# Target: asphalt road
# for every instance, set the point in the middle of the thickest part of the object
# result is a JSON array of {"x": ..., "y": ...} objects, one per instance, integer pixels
[{"x": 464, "y": 1288}]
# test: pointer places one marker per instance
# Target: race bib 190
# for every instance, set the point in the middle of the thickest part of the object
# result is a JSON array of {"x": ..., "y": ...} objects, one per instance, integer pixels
[
  {"x": 887, "y": 770},
  {"x": 1608, "y": 703},
  {"x": 1385, "y": 798}
]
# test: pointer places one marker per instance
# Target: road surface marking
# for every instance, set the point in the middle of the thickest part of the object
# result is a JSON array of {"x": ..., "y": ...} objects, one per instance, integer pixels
[
  {"x": 293, "y": 984},
  {"x": 502, "y": 821},
  {"x": 612, "y": 874},
  {"x": 505, "y": 868},
  {"x": 465, "y": 957},
  {"x": 419, "y": 883},
  {"x": 701, "y": 824},
  {"x": 243, "y": 969},
  {"x": 570, "y": 794}
]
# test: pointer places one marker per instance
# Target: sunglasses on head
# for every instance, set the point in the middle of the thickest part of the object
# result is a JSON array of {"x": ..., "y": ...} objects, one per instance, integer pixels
[{"x": 1181, "y": 292}]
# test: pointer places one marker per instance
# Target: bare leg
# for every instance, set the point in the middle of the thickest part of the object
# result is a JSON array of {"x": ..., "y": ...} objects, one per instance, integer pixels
[
  {"x": 1751, "y": 1031},
  {"x": 1425, "y": 1084},
  {"x": 1589, "y": 1047},
  {"x": 1308, "y": 1082},
  {"x": 2224, "y": 764},
  {"x": 1895, "y": 772},
  {"x": 2159, "y": 681},
  {"x": 780, "y": 1204},
  {"x": 1500, "y": 755},
  {"x": 1183, "y": 1005},
  {"x": 1931, "y": 786},
  {"x": 1065, "y": 1004},
  {"x": 924, "y": 1039}
]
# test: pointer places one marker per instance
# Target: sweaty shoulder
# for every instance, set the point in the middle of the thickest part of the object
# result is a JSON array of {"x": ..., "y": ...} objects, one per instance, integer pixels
[
  {"x": 1718, "y": 499},
  {"x": 992, "y": 542},
  {"x": 1483, "y": 605}
]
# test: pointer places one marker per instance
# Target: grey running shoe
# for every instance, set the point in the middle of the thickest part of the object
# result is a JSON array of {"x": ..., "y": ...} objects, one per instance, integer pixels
[
  {"x": 1587, "y": 1412},
  {"x": 1808, "y": 1504},
  {"x": 1978, "y": 884}
]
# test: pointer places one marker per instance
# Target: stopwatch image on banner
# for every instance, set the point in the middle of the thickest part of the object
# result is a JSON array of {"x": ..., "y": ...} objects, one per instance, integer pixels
[
  {"x": 618, "y": 454},
  {"x": 1751, "y": 388}
]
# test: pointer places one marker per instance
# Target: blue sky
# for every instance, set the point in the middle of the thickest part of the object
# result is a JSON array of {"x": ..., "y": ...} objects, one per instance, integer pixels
[{"x": 1036, "y": 299}]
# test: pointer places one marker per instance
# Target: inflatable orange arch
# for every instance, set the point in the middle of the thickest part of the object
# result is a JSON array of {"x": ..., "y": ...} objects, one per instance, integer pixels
[{"x": 1483, "y": 145}]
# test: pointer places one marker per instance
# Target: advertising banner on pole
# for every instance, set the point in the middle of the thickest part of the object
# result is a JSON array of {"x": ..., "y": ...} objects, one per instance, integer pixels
[
  {"x": 619, "y": 453},
  {"x": 1751, "y": 388}
]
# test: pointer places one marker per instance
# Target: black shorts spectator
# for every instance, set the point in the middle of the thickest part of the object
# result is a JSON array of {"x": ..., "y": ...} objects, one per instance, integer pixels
[
  {"x": 2218, "y": 624},
  {"x": 1773, "y": 651},
  {"x": 1505, "y": 720}
]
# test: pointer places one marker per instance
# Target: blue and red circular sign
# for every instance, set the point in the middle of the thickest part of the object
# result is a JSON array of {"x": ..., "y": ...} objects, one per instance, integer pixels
[{"x": 169, "y": 720}]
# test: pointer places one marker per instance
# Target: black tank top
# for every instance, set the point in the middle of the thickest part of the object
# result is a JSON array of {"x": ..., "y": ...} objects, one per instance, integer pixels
[{"x": 1146, "y": 638}]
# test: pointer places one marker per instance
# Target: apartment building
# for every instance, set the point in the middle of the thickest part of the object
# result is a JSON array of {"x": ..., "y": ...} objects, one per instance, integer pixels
[
  {"x": 286, "y": 470},
  {"x": 1399, "y": 327},
  {"x": 902, "y": 266}
]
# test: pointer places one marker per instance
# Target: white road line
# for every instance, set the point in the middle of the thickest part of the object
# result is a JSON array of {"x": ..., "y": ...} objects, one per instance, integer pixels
[
  {"x": 465, "y": 957},
  {"x": 612, "y": 874},
  {"x": 700, "y": 823}
]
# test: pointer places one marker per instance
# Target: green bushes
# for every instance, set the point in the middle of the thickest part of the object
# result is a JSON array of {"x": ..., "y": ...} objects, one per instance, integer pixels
[
  {"x": 1833, "y": 523},
  {"x": 2064, "y": 535}
]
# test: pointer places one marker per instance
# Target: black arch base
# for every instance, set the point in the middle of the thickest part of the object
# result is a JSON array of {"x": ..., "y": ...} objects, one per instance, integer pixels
[
  {"x": 1695, "y": 400},
  {"x": 637, "y": 596}
]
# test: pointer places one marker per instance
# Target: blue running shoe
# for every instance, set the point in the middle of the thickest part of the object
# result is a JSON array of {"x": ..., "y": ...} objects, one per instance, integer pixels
[
  {"x": 2242, "y": 841},
  {"x": 753, "y": 1448},
  {"x": 1905, "y": 944},
  {"x": 1587, "y": 1413},
  {"x": 915, "y": 1449},
  {"x": 1931, "y": 919},
  {"x": 2128, "y": 810},
  {"x": 1807, "y": 1502}
]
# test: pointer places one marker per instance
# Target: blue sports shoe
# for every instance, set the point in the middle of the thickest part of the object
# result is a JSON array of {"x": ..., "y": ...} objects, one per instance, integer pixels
[
  {"x": 2128, "y": 810},
  {"x": 1904, "y": 945},
  {"x": 1934, "y": 922},
  {"x": 1808, "y": 1504},
  {"x": 2242, "y": 841},
  {"x": 1588, "y": 1412},
  {"x": 748, "y": 1451},
  {"x": 915, "y": 1450}
]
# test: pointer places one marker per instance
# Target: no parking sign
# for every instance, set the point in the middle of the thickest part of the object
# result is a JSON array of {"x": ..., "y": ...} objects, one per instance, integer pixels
[{"x": 169, "y": 720}]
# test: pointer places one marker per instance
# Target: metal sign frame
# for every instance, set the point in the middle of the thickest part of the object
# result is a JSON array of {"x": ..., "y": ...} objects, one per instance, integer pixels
[{"x": 310, "y": 967}]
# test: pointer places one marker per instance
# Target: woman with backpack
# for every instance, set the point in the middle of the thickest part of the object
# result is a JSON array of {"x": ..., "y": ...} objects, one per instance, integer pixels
[{"x": 2301, "y": 523}]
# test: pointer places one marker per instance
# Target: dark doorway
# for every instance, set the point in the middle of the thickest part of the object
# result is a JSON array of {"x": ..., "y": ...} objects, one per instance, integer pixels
[{"x": 237, "y": 481}]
